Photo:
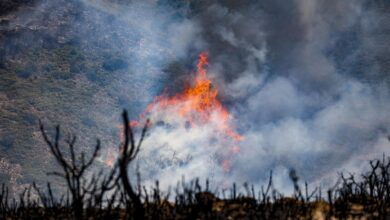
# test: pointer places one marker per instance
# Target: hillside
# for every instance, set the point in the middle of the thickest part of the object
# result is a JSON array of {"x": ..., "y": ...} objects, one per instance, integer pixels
[
  {"x": 304, "y": 86},
  {"x": 61, "y": 64}
]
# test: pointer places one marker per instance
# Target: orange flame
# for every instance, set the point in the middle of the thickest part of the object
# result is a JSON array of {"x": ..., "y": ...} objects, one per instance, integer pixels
[{"x": 198, "y": 105}]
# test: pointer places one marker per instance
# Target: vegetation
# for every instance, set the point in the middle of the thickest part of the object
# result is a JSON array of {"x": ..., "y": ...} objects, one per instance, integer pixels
[
  {"x": 52, "y": 70},
  {"x": 113, "y": 195}
]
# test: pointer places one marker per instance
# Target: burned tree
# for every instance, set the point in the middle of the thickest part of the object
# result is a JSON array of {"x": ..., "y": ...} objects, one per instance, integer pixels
[
  {"x": 129, "y": 152},
  {"x": 89, "y": 192},
  {"x": 73, "y": 171}
]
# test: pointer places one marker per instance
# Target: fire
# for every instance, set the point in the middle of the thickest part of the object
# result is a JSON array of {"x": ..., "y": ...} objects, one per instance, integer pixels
[{"x": 197, "y": 105}]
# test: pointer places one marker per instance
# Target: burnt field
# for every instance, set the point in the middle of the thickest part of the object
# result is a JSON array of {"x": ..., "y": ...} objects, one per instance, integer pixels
[{"x": 115, "y": 194}]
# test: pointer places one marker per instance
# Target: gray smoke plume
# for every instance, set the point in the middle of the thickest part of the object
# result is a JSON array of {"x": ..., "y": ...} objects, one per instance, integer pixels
[{"x": 305, "y": 81}]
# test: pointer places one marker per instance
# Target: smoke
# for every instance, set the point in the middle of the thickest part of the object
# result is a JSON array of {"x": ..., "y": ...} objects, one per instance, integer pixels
[
  {"x": 304, "y": 104},
  {"x": 305, "y": 80}
]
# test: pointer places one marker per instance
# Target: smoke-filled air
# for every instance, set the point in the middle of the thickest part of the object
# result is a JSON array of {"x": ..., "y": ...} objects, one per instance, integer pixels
[{"x": 227, "y": 90}]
